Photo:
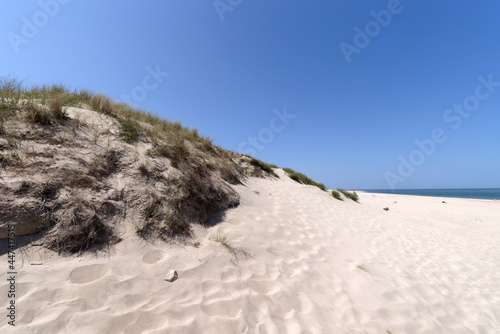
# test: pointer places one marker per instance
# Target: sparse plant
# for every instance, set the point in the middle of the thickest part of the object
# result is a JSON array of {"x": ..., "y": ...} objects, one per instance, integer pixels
[
  {"x": 301, "y": 178},
  {"x": 223, "y": 239},
  {"x": 351, "y": 195},
  {"x": 101, "y": 104},
  {"x": 264, "y": 166},
  {"x": 129, "y": 130},
  {"x": 56, "y": 106},
  {"x": 321, "y": 186},
  {"x": 362, "y": 268},
  {"x": 143, "y": 169},
  {"x": 10, "y": 93},
  {"x": 105, "y": 164},
  {"x": 36, "y": 114},
  {"x": 336, "y": 195}
]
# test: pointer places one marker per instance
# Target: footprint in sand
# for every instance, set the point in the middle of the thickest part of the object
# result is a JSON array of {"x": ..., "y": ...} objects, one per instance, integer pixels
[
  {"x": 264, "y": 287},
  {"x": 89, "y": 273},
  {"x": 153, "y": 256},
  {"x": 224, "y": 308}
]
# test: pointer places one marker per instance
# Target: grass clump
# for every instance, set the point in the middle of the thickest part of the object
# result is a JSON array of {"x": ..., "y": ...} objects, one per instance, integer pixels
[
  {"x": 223, "y": 239},
  {"x": 336, "y": 195},
  {"x": 56, "y": 106},
  {"x": 10, "y": 93},
  {"x": 35, "y": 113},
  {"x": 301, "y": 178},
  {"x": 177, "y": 151},
  {"x": 362, "y": 268},
  {"x": 143, "y": 169},
  {"x": 78, "y": 229},
  {"x": 105, "y": 164},
  {"x": 264, "y": 166},
  {"x": 101, "y": 104},
  {"x": 351, "y": 195},
  {"x": 163, "y": 222},
  {"x": 129, "y": 130}
]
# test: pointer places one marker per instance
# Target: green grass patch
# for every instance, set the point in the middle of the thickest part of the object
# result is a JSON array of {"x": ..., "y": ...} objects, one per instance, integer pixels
[
  {"x": 336, "y": 195},
  {"x": 351, "y": 195},
  {"x": 129, "y": 130},
  {"x": 301, "y": 178},
  {"x": 264, "y": 166}
]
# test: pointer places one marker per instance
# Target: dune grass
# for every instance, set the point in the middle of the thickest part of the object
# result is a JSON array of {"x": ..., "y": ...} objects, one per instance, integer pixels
[
  {"x": 351, "y": 195},
  {"x": 223, "y": 239},
  {"x": 264, "y": 166},
  {"x": 45, "y": 105},
  {"x": 336, "y": 195},
  {"x": 301, "y": 178}
]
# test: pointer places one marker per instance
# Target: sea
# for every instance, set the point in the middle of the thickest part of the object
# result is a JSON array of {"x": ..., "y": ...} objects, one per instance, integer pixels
[{"x": 479, "y": 193}]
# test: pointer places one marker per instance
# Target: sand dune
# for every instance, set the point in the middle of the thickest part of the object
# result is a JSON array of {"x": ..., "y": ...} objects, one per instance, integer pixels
[{"x": 306, "y": 263}]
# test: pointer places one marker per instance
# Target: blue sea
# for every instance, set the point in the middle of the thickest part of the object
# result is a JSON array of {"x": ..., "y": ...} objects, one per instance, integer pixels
[{"x": 486, "y": 193}]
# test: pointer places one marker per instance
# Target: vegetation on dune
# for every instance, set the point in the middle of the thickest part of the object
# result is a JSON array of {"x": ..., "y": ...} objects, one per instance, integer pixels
[
  {"x": 264, "y": 166},
  {"x": 78, "y": 229},
  {"x": 351, "y": 195},
  {"x": 223, "y": 239},
  {"x": 184, "y": 168},
  {"x": 172, "y": 178},
  {"x": 301, "y": 178},
  {"x": 193, "y": 195},
  {"x": 129, "y": 130},
  {"x": 336, "y": 195}
]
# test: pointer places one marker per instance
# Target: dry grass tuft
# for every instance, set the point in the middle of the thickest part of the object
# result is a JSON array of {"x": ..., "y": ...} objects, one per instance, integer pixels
[
  {"x": 78, "y": 229},
  {"x": 105, "y": 164},
  {"x": 235, "y": 252}
]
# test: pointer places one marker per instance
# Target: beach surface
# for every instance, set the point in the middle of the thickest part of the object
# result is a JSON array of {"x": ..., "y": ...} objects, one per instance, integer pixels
[{"x": 289, "y": 259}]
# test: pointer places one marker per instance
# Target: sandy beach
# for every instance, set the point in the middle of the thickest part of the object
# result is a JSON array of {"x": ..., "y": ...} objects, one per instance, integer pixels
[{"x": 304, "y": 263}]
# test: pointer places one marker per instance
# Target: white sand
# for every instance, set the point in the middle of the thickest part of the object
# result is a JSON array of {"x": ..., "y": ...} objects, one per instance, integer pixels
[{"x": 318, "y": 266}]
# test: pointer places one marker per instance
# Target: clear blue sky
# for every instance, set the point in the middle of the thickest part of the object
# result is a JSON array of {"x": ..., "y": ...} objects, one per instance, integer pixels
[{"x": 354, "y": 120}]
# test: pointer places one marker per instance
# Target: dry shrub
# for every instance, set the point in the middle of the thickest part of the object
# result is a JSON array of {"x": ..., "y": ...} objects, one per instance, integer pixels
[
  {"x": 163, "y": 221},
  {"x": 82, "y": 181},
  {"x": 36, "y": 113},
  {"x": 105, "y": 164},
  {"x": 228, "y": 170},
  {"x": 77, "y": 229},
  {"x": 196, "y": 197},
  {"x": 202, "y": 196},
  {"x": 48, "y": 190}
]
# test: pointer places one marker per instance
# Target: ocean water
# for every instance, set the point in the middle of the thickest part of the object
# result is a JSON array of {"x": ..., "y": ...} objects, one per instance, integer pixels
[{"x": 479, "y": 193}]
